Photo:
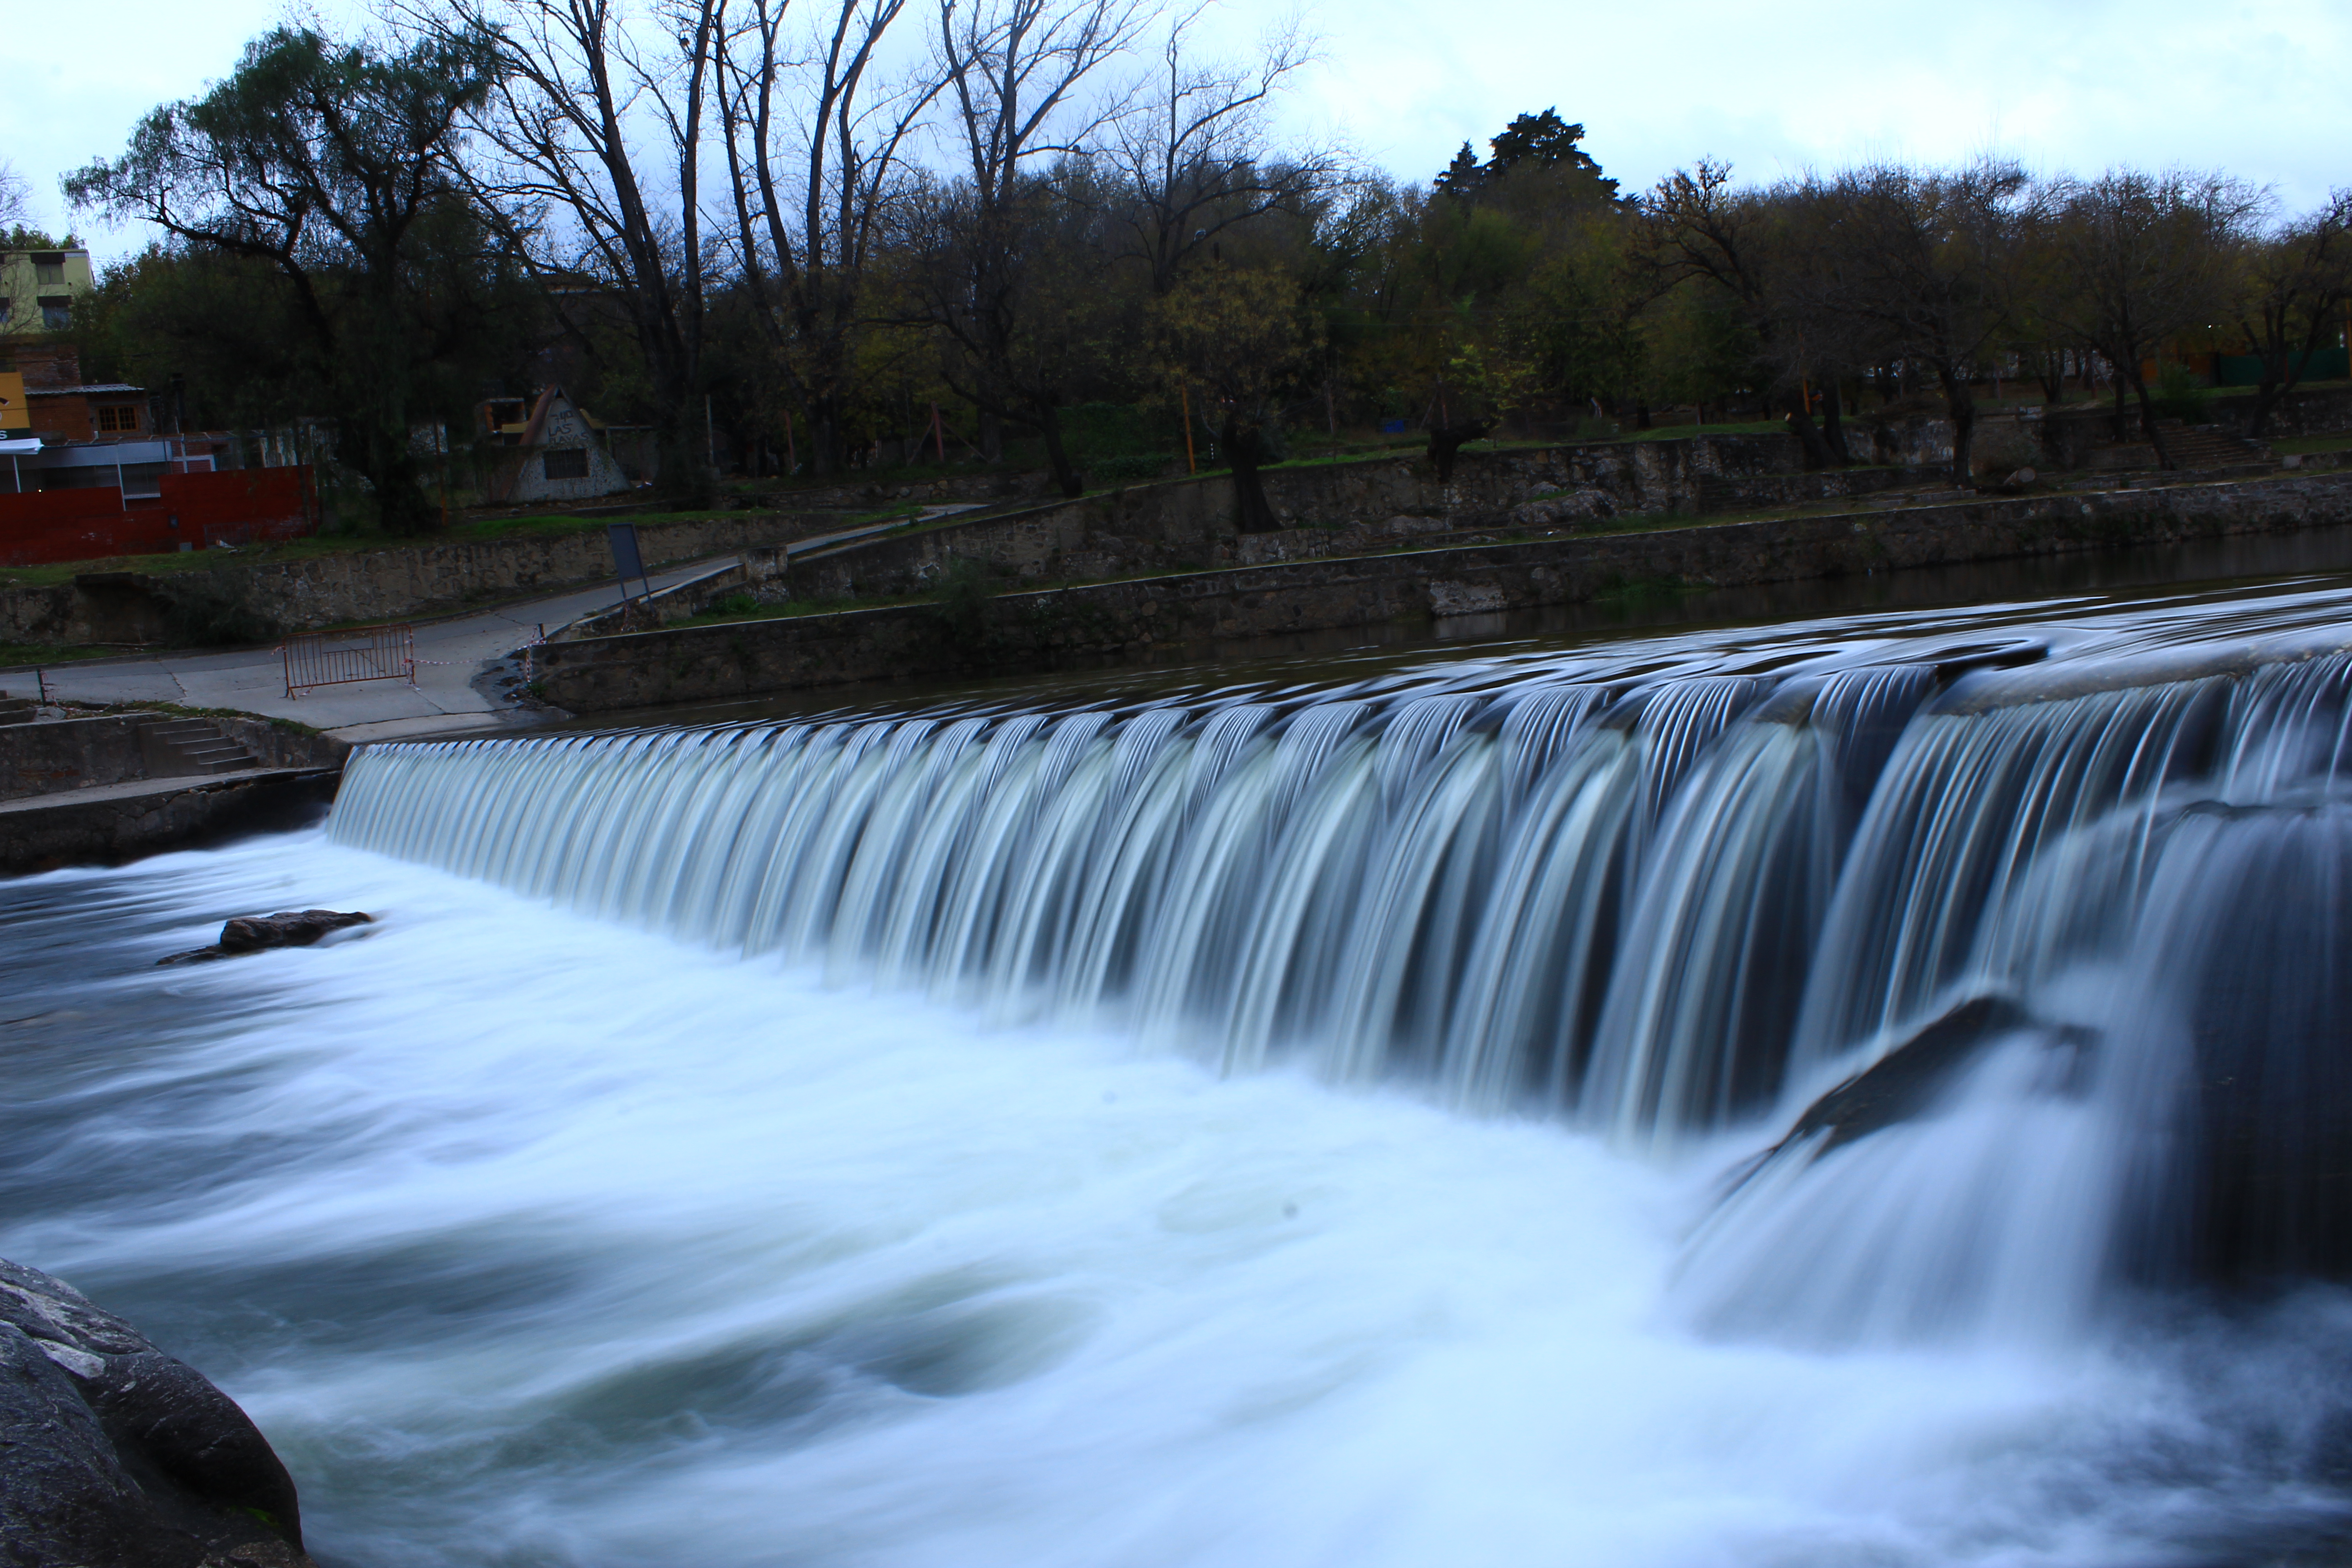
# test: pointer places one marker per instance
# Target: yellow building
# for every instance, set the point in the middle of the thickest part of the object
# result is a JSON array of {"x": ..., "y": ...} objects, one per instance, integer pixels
[{"x": 37, "y": 289}]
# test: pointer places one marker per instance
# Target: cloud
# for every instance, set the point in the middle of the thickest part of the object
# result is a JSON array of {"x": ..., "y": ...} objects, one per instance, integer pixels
[{"x": 2257, "y": 88}]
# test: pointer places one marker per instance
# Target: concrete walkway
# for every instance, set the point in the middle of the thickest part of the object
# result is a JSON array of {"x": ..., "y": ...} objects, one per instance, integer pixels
[{"x": 450, "y": 652}]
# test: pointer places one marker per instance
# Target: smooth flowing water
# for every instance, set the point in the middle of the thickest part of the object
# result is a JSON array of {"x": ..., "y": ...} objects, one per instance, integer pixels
[{"x": 1279, "y": 1123}]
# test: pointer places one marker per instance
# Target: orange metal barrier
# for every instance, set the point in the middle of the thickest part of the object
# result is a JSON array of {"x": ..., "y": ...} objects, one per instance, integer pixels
[{"x": 361, "y": 653}]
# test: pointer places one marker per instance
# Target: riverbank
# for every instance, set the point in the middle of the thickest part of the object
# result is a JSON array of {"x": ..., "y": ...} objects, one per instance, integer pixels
[
  {"x": 319, "y": 583},
  {"x": 109, "y": 824},
  {"x": 970, "y": 631},
  {"x": 82, "y": 787}
]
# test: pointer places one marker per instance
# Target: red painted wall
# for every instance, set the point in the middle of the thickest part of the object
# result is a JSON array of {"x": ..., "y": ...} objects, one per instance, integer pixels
[{"x": 242, "y": 506}]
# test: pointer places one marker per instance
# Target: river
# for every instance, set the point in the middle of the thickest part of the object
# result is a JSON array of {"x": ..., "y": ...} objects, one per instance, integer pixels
[{"x": 1300, "y": 1115}]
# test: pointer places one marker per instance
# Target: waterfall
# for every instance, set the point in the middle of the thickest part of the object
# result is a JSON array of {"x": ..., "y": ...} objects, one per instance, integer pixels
[
  {"x": 1665, "y": 904},
  {"x": 1439, "y": 885}
]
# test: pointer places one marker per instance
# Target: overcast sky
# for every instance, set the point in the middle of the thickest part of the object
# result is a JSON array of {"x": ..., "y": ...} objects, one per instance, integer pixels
[{"x": 2262, "y": 87}]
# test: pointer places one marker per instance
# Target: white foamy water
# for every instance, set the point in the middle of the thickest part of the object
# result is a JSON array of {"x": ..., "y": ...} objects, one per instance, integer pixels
[{"x": 534, "y": 1240}]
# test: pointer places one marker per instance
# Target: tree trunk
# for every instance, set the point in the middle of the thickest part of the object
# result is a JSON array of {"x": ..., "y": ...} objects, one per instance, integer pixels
[
  {"x": 2148, "y": 420},
  {"x": 2050, "y": 370},
  {"x": 991, "y": 436},
  {"x": 2266, "y": 397},
  {"x": 389, "y": 465},
  {"x": 1800, "y": 425},
  {"x": 1833, "y": 424},
  {"x": 1246, "y": 448},
  {"x": 824, "y": 439},
  {"x": 1049, "y": 425},
  {"x": 685, "y": 479},
  {"x": 2279, "y": 376},
  {"x": 1960, "y": 403},
  {"x": 1446, "y": 440}
]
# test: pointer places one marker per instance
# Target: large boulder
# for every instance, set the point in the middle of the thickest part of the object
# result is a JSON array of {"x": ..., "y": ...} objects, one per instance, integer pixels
[
  {"x": 258, "y": 934},
  {"x": 112, "y": 1452}
]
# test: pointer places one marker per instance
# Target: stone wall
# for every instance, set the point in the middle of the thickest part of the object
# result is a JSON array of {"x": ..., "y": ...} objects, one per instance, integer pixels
[
  {"x": 1334, "y": 508},
  {"x": 867, "y": 495},
  {"x": 2072, "y": 438},
  {"x": 56, "y": 755},
  {"x": 101, "y": 827},
  {"x": 63, "y": 754},
  {"x": 382, "y": 584},
  {"x": 1044, "y": 629}
]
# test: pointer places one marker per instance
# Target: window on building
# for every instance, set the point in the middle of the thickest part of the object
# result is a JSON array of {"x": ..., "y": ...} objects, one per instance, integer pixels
[
  {"x": 568, "y": 463},
  {"x": 48, "y": 269},
  {"x": 56, "y": 315},
  {"x": 125, "y": 417}
]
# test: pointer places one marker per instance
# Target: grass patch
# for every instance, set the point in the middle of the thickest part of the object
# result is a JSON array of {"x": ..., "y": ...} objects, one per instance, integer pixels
[
  {"x": 2306, "y": 446},
  {"x": 27, "y": 655},
  {"x": 486, "y": 532},
  {"x": 1684, "y": 432},
  {"x": 740, "y": 608},
  {"x": 1643, "y": 592},
  {"x": 181, "y": 711}
]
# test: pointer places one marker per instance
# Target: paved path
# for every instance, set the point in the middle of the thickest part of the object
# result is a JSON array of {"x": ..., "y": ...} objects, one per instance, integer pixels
[{"x": 450, "y": 652}]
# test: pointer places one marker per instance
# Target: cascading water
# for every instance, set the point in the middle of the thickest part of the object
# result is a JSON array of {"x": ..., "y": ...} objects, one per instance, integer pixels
[{"x": 732, "y": 1144}]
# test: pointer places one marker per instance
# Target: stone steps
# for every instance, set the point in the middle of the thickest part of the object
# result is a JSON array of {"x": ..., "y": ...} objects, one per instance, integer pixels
[
  {"x": 17, "y": 710},
  {"x": 2205, "y": 447},
  {"x": 190, "y": 748}
]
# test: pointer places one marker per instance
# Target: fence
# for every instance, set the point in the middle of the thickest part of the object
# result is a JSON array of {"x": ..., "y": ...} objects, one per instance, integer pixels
[
  {"x": 193, "y": 511},
  {"x": 361, "y": 653}
]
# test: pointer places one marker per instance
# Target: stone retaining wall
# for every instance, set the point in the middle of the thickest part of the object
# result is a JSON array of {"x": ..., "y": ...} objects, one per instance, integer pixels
[
  {"x": 385, "y": 585},
  {"x": 106, "y": 827},
  {"x": 53, "y": 756},
  {"x": 1043, "y": 630},
  {"x": 56, "y": 755},
  {"x": 1335, "y": 509}
]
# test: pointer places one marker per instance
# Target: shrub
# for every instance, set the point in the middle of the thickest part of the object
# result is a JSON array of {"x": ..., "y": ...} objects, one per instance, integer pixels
[
  {"x": 963, "y": 602},
  {"x": 2179, "y": 395},
  {"x": 1131, "y": 468},
  {"x": 215, "y": 608}
]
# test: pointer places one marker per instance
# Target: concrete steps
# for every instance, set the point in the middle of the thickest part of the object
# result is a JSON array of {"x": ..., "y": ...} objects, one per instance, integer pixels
[
  {"x": 17, "y": 710},
  {"x": 189, "y": 748},
  {"x": 2205, "y": 446}
]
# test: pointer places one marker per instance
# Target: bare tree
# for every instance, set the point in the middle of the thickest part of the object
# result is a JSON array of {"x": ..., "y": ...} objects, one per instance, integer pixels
[
  {"x": 1929, "y": 260},
  {"x": 1194, "y": 155},
  {"x": 1014, "y": 72},
  {"x": 814, "y": 153},
  {"x": 16, "y": 197},
  {"x": 1698, "y": 227},
  {"x": 2296, "y": 285},
  {"x": 2150, "y": 257},
  {"x": 582, "y": 82}
]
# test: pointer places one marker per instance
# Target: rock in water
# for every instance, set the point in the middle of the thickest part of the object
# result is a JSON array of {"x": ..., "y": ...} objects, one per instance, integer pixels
[
  {"x": 112, "y": 1452},
  {"x": 252, "y": 934},
  {"x": 1906, "y": 1080}
]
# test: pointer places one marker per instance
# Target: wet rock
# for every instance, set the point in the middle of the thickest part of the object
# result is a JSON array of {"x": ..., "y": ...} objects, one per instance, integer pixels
[
  {"x": 253, "y": 933},
  {"x": 116, "y": 1453},
  {"x": 1906, "y": 1080}
]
